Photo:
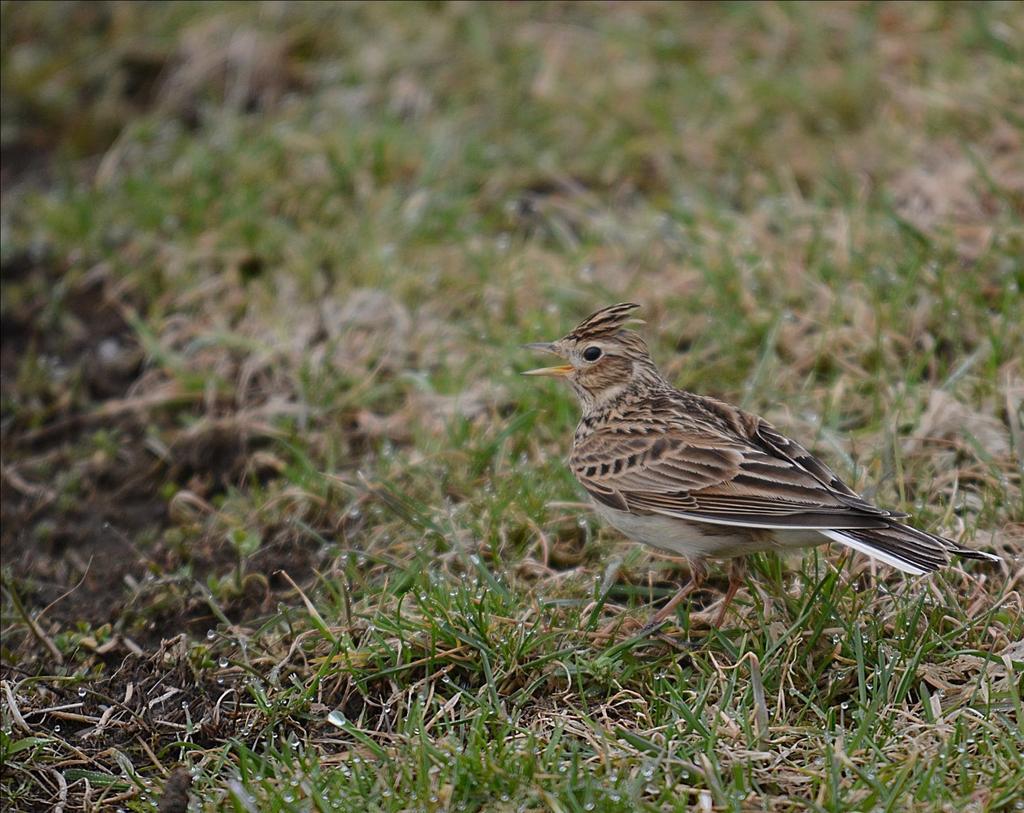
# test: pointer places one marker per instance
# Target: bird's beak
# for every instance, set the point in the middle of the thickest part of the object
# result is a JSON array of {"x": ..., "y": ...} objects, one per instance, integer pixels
[
  {"x": 548, "y": 347},
  {"x": 559, "y": 372}
]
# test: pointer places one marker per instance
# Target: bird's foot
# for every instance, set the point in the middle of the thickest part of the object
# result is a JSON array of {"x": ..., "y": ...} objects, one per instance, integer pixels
[{"x": 706, "y": 619}]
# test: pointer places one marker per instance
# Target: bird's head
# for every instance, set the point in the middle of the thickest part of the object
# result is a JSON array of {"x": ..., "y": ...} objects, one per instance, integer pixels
[{"x": 603, "y": 359}]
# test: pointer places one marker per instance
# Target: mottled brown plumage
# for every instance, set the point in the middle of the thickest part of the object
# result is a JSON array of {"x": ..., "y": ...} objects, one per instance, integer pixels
[{"x": 703, "y": 479}]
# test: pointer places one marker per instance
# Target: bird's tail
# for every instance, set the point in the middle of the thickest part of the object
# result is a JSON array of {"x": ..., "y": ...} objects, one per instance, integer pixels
[{"x": 906, "y": 548}]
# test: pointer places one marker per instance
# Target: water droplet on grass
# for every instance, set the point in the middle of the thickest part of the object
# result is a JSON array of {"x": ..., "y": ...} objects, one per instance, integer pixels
[{"x": 337, "y": 718}]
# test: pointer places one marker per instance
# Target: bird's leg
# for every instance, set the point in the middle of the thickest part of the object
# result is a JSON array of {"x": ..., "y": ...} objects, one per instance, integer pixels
[
  {"x": 697, "y": 574},
  {"x": 737, "y": 573}
]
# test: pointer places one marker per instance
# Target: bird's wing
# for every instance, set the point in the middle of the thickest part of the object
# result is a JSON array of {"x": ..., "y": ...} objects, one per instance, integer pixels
[{"x": 755, "y": 477}]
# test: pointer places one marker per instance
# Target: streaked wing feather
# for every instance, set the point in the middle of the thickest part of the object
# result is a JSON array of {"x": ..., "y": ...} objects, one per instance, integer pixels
[
  {"x": 781, "y": 447},
  {"x": 715, "y": 478}
]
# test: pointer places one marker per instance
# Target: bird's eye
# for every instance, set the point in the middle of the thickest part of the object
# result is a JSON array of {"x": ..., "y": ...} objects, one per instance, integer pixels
[{"x": 592, "y": 353}]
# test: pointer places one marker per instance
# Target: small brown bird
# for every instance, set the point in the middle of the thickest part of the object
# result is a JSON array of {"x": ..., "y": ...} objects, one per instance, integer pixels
[{"x": 702, "y": 479}]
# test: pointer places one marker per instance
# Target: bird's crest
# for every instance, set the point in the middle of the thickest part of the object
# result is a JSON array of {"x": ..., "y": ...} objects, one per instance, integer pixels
[{"x": 606, "y": 321}]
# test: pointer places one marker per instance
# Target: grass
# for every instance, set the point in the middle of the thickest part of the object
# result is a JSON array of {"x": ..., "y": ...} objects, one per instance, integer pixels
[{"x": 282, "y": 522}]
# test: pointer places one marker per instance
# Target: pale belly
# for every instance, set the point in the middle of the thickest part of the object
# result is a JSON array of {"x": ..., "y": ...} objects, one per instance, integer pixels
[{"x": 702, "y": 540}]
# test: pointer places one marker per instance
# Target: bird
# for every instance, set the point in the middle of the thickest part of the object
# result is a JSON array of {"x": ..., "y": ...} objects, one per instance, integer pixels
[{"x": 699, "y": 478}]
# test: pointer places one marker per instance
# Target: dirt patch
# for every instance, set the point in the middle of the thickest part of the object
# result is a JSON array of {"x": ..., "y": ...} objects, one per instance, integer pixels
[
  {"x": 53, "y": 543},
  {"x": 93, "y": 452},
  {"x": 77, "y": 495},
  {"x": 135, "y": 707},
  {"x": 120, "y": 563}
]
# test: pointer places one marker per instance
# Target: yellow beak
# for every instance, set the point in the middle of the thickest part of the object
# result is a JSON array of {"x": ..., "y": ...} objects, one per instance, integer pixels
[
  {"x": 548, "y": 347},
  {"x": 559, "y": 372}
]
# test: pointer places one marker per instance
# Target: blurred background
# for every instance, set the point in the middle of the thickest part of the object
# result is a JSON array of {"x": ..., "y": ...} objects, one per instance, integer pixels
[{"x": 266, "y": 268}]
